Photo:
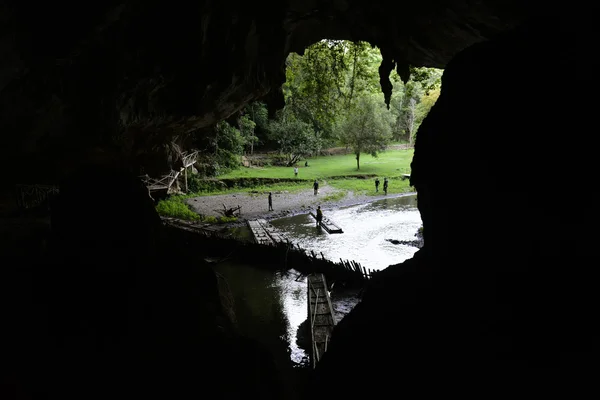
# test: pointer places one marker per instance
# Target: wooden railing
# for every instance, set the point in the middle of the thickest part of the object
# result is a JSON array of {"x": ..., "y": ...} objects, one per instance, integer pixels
[
  {"x": 166, "y": 181},
  {"x": 30, "y": 196},
  {"x": 162, "y": 183}
]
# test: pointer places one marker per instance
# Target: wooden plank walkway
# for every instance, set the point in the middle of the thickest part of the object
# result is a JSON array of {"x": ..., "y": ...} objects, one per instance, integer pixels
[
  {"x": 276, "y": 235},
  {"x": 265, "y": 233},
  {"x": 320, "y": 316},
  {"x": 259, "y": 234},
  {"x": 328, "y": 225}
]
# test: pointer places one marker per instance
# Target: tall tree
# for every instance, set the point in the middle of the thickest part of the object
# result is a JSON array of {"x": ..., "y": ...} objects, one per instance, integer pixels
[
  {"x": 366, "y": 128},
  {"x": 296, "y": 138},
  {"x": 247, "y": 126}
]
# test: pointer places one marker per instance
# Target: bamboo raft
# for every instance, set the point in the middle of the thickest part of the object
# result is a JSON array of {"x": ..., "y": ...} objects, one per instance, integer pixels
[
  {"x": 265, "y": 233},
  {"x": 328, "y": 225},
  {"x": 320, "y": 316}
]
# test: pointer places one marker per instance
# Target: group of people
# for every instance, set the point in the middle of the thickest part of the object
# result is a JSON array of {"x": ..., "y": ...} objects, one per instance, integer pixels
[
  {"x": 385, "y": 185},
  {"x": 316, "y": 191}
]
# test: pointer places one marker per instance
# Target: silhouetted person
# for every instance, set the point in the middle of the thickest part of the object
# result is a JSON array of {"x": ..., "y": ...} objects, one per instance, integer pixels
[
  {"x": 295, "y": 172},
  {"x": 385, "y": 185},
  {"x": 316, "y": 187},
  {"x": 270, "y": 202},
  {"x": 319, "y": 216},
  {"x": 376, "y": 184},
  {"x": 306, "y": 163}
]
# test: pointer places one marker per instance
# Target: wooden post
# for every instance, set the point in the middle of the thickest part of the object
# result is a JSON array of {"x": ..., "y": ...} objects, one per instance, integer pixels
[{"x": 185, "y": 178}]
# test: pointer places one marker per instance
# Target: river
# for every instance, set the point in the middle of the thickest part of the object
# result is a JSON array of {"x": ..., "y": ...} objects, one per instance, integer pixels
[{"x": 270, "y": 306}]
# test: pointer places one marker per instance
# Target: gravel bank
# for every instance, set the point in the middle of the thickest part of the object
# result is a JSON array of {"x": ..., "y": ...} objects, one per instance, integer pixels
[{"x": 255, "y": 205}]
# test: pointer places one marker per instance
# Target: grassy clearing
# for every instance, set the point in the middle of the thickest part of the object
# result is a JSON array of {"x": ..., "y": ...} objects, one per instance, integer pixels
[
  {"x": 289, "y": 187},
  {"x": 390, "y": 163},
  {"x": 338, "y": 171},
  {"x": 367, "y": 186}
]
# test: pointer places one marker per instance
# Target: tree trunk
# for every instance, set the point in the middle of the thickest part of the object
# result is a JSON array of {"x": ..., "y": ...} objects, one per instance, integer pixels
[
  {"x": 252, "y": 140},
  {"x": 185, "y": 178},
  {"x": 411, "y": 120},
  {"x": 358, "y": 161}
]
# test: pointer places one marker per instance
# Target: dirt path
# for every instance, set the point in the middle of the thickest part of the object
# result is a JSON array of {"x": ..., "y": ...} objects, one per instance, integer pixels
[{"x": 284, "y": 203}]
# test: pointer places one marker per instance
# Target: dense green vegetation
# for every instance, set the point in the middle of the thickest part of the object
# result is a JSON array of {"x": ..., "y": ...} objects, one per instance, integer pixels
[
  {"x": 333, "y": 98},
  {"x": 389, "y": 163},
  {"x": 175, "y": 207}
]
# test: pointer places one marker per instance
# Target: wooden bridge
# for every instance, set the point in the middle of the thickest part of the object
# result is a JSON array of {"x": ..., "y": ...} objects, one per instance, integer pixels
[
  {"x": 328, "y": 225},
  {"x": 265, "y": 233},
  {"x": 320, "y": 316},
  {"x": 269, "y": 254},
  {"x": 166, "y": 181}
]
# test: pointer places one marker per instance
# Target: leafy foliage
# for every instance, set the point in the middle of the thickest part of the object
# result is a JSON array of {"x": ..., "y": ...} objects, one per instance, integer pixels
[
  {"x": 366, "y": 128},
  {"x": 296, "y": 138},
  {"x": 332, "y": 85}
]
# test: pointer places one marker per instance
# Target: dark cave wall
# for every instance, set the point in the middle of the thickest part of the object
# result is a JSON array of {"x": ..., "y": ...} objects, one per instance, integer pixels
[
  {"x": 124, "y": 77},
  {"x": 136, "y": 76},
  {"x": 500, "y": 297},
  {"x": 118, "y": 306}
]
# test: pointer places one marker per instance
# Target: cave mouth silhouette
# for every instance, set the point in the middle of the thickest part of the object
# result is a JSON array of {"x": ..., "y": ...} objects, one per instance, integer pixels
[{"x": 489, "y": 318}]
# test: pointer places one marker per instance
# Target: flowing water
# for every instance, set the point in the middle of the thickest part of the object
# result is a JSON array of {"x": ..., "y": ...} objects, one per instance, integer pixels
[
  {"x": 366, "y": 228},
  {"x": 270, "y": 306}
]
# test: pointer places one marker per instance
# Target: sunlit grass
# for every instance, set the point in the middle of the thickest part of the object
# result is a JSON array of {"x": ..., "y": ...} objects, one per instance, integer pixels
[
  {"x": 367, "y": 186},
  {"x": 174, "y": 207},
  {"x": 335, "y": 196},
  {"x": 390, "y": 163}
]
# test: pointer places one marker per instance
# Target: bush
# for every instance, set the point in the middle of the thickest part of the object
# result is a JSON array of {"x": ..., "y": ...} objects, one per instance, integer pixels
[
  {"x": 174, "y": 207},
  {"x": 197, "y": 184},
  {"x": 218, "y": 220}
]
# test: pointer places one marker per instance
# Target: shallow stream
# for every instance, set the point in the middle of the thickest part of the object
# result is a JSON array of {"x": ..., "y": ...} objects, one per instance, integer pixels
[{"x": 270, "y": 306}]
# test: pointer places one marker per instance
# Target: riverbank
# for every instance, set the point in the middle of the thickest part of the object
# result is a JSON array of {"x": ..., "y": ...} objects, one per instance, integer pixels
[
  {"x": 341, "y": 184},
  {"x": 255, "y": 205}
]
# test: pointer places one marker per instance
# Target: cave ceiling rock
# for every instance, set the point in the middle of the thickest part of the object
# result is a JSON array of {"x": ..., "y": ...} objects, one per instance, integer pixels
[{"x": 178, "y": 67}]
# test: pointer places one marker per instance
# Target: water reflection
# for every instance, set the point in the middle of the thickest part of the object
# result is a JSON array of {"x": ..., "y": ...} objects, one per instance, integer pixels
[
  {"x": 366, "y": 228},
  {"x": 269, "y": 306},
  {"x": 294, "y": 300}
]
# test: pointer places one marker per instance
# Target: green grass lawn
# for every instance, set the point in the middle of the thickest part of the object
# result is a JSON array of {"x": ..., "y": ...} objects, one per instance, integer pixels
[
  {"x": 367, "y": 186},
  {"x": 337, "y": 171},
  {"x": 391, "y": 163}
]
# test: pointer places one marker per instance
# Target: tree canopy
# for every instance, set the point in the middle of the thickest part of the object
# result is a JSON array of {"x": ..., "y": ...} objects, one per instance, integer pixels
[
  {"x": 366, "y": 127},
  {"x": 333, "y": 98}
]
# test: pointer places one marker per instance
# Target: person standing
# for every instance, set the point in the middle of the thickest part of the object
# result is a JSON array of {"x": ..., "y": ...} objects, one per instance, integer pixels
[
  {"x": 295, "y": 172},
  {"x": 385, "y": 185},
  {"x": 319, "y": 216},
  {"x": 270, "y": 202},
  {"x": 376, "y": 185},
  {"x": 316, "y": 187}
]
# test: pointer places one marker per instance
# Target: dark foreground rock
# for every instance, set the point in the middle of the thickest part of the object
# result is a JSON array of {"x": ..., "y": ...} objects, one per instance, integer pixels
[
  {"x": 114, "y": 309},
  {"x": 475, "y": 315}
]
